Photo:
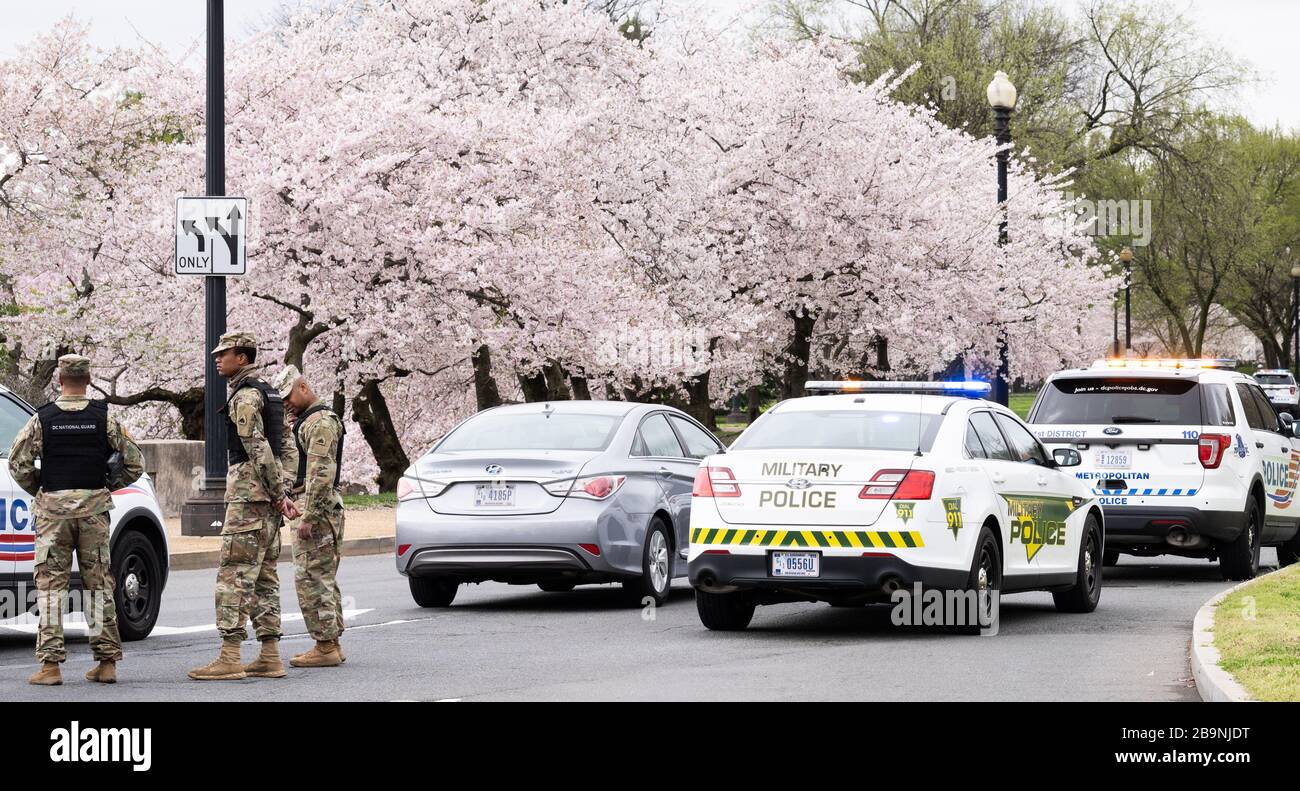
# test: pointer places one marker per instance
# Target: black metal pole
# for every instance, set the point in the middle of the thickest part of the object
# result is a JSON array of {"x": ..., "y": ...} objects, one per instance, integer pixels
[
  {"x": 1115, "y": 305},
  {"x": 1295, "y": 322},
  {"x": 1002, "y": 133},
  {"x": 1128, "y": 319},
  {"x": 214, "y": 288}
]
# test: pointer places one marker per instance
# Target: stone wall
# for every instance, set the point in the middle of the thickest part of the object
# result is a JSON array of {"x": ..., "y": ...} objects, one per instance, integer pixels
[{"x": 175, "y": 465}]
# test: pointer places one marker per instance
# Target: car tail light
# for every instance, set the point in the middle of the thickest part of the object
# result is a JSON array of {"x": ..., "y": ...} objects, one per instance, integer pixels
[
  {"x": 591, "y": 549},
  {"x": 899, "y": 485},
  {"x": 416, "y": 489},
  {"x": 715, "y": 482},
  {"x": 1211, "y": 448},
  {"x": 401, "y": 549},
  {"x": 1292, "y": 389},
  {"x": 597, "y": 487},
  {"x": 406, "y": 488}
]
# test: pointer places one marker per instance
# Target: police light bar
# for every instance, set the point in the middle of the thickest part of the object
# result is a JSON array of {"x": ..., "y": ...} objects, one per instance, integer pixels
[
  {"x": 1161, "y": 362},
  {"x": 967, "y": 389}
]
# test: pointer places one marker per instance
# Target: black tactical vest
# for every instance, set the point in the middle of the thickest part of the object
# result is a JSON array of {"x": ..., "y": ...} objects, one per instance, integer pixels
[
  {"x": 272, "y": 421},
  {"x": 302, "y": 452},
  {"x": 74, "y": 447}
]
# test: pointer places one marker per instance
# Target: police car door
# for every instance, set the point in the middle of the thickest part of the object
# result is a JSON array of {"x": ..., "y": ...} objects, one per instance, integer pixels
[
  {"x": 1044, "y": 534},
  {"x": 1012, "y": 482},
  {"x": 1278, "y": 461},
  {"x": 17, "y": 527}
]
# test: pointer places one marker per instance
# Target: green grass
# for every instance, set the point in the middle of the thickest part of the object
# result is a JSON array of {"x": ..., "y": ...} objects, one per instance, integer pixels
[
  {"x": 360, "y": 502},
  {"x": 1021, "y": 402},
  {"x": 1257, "y": 632}
]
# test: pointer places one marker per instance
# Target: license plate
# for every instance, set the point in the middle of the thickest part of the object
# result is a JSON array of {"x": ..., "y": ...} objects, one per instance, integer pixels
[
  {"x": 494, "y": 495},
  {"x": 1114, "y": 459},
  {"x": 796, "y": 564}
]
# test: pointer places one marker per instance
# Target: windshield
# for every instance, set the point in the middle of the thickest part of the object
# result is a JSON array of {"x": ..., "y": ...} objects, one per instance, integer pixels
[
  {"x": 1273, "y": 379},
  {"x": 532, "y": 431},
  {"x": 1118, "y": 400},
  {"x": 842, "y": 428}
]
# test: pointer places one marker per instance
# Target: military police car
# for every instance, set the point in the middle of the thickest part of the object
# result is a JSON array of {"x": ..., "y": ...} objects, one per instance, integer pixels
[
  {"x": 1185, "y": 457},
  {"x": 138, "y": 544},
  {"x": 848, "y": 496}
]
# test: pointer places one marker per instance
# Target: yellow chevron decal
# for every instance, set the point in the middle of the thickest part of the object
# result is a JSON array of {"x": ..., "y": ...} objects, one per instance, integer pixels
[{"x": 830, "y": 539}]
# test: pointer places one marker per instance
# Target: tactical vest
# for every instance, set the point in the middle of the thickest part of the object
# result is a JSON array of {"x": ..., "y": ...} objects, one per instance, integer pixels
[
  {"x": 74, "y": 447},
  {"x": 272, "y": 421},
  {"x": 302, "y": 452}
]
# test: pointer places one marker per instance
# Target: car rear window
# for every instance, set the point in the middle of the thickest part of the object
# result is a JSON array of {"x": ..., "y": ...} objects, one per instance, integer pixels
[
  {"x": 842, "y": 428},
  {"x": 532, "y": 431},
  {"x": 1115, "y": 400},
  {"x": 1273, "y": 379}
]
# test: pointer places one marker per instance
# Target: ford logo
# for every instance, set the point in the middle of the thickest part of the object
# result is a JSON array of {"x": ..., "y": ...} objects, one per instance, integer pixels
[
  {"x": 1112, "y": 430},
  {"x": 798, "y": 483},
  {"x": 493, "y": 469}
]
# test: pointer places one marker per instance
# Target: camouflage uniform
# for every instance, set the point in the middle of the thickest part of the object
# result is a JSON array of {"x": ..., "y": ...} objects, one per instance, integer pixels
[
  {"x": 73, "y": 520},
  {"x": 248, "y": 584}
]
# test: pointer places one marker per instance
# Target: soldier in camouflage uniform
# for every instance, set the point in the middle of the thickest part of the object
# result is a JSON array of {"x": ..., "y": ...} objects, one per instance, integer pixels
[
  {"x": 74, "y": 437},
  {"x": 318, "y": 534},
  {"x": 256, "y": 498}
]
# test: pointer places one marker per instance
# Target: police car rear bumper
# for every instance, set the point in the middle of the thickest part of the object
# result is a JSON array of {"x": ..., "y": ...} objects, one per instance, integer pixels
[
  {"x": 1169, "y": 528},
  {"x": 841, "y": 576}
]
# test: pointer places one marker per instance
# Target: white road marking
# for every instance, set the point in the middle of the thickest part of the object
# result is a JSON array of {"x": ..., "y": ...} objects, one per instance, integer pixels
[{"x": 74, "y": 624}]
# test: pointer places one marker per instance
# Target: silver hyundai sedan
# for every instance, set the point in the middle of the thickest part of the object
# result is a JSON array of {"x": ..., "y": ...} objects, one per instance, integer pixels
[{"x": 556, "y": 494}]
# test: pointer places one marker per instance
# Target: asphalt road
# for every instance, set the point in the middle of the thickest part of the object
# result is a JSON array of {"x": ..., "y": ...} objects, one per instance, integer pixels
[{"x": 502, "y": 642}]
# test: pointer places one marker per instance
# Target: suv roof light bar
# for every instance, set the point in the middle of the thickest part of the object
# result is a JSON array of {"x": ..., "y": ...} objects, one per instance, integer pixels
[{"x": 968, "y": 389}]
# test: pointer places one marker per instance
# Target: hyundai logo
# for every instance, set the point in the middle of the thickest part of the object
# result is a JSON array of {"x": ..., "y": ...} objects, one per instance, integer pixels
[
  {"x": 493, "y": 469},
  {"x": 798, "y": 483},
  {"x": 1112, "y": 430}
]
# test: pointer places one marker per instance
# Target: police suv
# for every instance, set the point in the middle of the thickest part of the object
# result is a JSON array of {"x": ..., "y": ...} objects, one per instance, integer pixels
[
  {"x": 848, "y": 496},
  {"x": 1185, "y": 457},
  {"x": 1280, "y": 387},
  {"x": 138, "y": 544}
]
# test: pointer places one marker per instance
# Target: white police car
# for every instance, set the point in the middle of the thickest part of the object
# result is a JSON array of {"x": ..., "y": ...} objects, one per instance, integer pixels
[
  {"x": 1186, "y": 458},
  {"x": 850, "y": 496},
  {"x": 1280, "y": 387},
  {"x": 138, "y": 543}
]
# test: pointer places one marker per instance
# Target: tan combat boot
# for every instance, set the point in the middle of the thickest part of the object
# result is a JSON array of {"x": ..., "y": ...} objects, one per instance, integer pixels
[
  {"x": 47, "y": 676},
  {"x": 267, "y": 664},
  {"x": 225, "y": 667},
  {"x": 105, "y": 672},
  {"x": 324, "y": 654}
]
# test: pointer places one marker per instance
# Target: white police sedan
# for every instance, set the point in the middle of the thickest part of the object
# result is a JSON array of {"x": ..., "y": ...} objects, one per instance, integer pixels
[
  {"x": 871, "y": 487},
  {"x": 138, "y": 544}
]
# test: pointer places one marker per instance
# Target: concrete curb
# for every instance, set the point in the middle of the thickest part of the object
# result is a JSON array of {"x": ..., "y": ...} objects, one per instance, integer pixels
[
  {"x": 211, "y": 558},
  {"x": 1213, "y": 683}
]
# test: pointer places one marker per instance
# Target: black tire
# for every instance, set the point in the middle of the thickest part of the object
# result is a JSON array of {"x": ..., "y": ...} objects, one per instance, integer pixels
[
  {"x": 1085, "y": 594},
  {"x": 1239, "y": 558},
  {"x": 987, "y": 558},
  {"x": 137, "y": 584},
  {"x": 1110, "y": 558},
  {"x": 656, "y": 580},
  {"x": 557, "y": 587},
  {"x": 724, "y": 612},
  {"x": 433, "y": 591},
  {"x": 1289, "y": 552}
]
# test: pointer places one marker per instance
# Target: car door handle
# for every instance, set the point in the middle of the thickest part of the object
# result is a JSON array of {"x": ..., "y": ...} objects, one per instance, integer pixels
[
  {"x": 665, "y": 472},
  {"x": 1042, "y": 480},
  {"x": 998, "y": 479},
  {"x": 1259, "y": 444}
]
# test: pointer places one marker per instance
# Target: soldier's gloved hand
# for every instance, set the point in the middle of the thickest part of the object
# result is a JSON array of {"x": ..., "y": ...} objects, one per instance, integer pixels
[{"x": 304, "y": 530}]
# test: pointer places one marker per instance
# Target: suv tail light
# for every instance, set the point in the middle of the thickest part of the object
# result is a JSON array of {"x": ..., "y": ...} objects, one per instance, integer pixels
[
  {"x": 1211, "y": 447},
  {"x": 899, "y": 485},
  {"x": 715, "y": 482}
]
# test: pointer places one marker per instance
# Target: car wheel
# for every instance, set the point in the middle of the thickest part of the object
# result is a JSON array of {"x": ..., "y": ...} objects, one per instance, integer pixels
[
  {"x": 985, "y": 579},
  {"x": 433, "y": 591},
  {"x": 1110, "y": 558},
  {"x": 656, "y": 567},
  {"x": 1085, "y": 594},
  {"x": 138, "y": 578},
  {"x": 724, "y": 612},
  {"x": 1239, "y": 558},
  {"x": 556, "y": 587}
]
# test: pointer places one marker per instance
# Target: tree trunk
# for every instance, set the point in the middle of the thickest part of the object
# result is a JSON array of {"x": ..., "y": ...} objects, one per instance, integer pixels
[
  {"x": 370, "y": 411},
  {"x": 698, "y": 404},
  {"x": 557, "y": 388},
  {"x": 882, "y": 353},
  {"x": 796, "y": 367},
  {"x": 751, "y": 399},
  {"x": 580, "y": 390},
  {"x": 534, "y": 387},
  {"x": 486, "y": 394}
]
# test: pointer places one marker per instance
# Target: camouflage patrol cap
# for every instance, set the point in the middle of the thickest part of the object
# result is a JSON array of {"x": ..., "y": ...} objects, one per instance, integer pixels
[
  {"x": 286, "y": 379},
  {"x": 74, "y": 365},
  {"x": 235, "y": 340}
]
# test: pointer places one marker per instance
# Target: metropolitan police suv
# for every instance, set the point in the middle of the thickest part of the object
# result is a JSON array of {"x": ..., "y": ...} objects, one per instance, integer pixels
[
  {"x": 875, "y": 486},
  {"x": 1185, "y": 457},
  {"x": 138, "y": 543}
]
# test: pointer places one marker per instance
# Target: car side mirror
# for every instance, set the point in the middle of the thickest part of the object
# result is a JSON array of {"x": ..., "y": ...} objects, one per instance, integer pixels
[{"x": 1067, "y": 457}]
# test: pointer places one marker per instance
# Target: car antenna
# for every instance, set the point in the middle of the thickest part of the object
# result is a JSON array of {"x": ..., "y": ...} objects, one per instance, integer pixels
[{"x": 919, "y": 402}]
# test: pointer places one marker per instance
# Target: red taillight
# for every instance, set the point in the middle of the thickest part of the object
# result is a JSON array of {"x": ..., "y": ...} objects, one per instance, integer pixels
[
  {"x": 1210, "y": 448},
  {"x": 715, "y": 482},
  {"x": 599, "y": 487},
  {"x": 401, "y": 550},
  {"x": 716, "y": 552},
  {"x": 591, "y": 549},
  {"x": 1292, "y": 389},
  {"x": 899, "y": 485}
]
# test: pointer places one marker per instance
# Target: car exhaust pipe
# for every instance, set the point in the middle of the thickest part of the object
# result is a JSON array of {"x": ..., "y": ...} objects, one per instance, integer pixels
[{"x": 891, "y": 584}]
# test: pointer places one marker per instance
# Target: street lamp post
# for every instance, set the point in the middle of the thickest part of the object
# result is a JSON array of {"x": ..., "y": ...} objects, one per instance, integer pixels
[
  {"x": 1002, "y": 98},
  {"x": 1126, "y": 255},
  {"x": 1295, "y": 320}
]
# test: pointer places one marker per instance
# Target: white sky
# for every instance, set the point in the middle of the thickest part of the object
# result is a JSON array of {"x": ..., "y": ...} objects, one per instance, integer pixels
[{"x": 1261, "y": 31}]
